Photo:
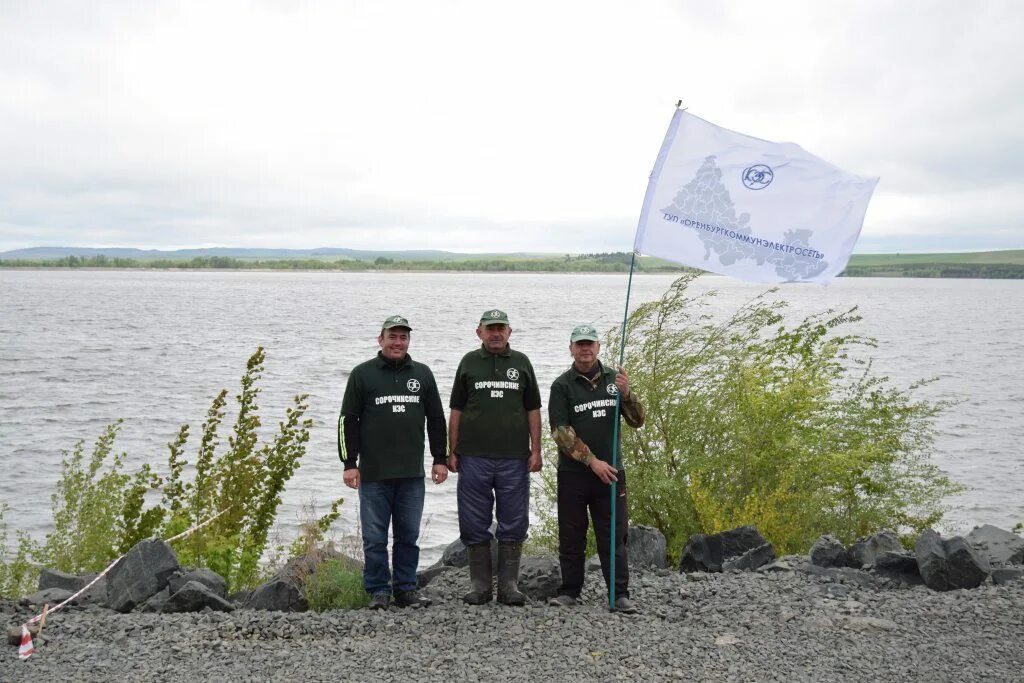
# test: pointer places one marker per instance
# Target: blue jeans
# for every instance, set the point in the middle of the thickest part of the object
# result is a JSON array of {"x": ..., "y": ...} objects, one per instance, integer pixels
[
  {"x": 397, "y": 503},
  {"x": 484, "y": 482}
]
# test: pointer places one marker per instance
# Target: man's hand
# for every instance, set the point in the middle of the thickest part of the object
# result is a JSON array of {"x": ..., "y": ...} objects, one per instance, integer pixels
[
  {"x": 622, "y": 382},
  {"x": 535, "y": 462},
  {"x": 453, "y": 462},
  {"x": 603, "y": 471},
  {"x": 439, "y": 473},
  {"x": 351, "y": 478}
]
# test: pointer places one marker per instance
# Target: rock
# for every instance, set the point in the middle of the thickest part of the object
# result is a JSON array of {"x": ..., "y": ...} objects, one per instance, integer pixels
[
  {"x": 14, "y": 633},
  {"x": 593, "y": 564},
  {"x": 299, "y": 568},
  {"x": 194, "y": 596},
  {"x": 865, "y": 549},
  {"x": 996, "y": 545},
  {"x": 54, "y": 578},
  {"x": 278, "y": 595},
  {"x": 143, "y": 572},
  {"x": 1004, "y": 575},
  {"x": 949, "y": 564},
  {"x": 51, "y": 596},
  {"x": 707, "y": 552},
  {"x": 240, "y": 597},
  {"x": 425, "y": 576},
  {"x": 898, "y": 566},
  {"x": 646, "y": 547},
  {"x": 750, "y": 560},
  {"x": 827, "y": 551},
  {"x": 209, "y": 578},
  {"x": 456, "y": 555},
  {"x": 539, "y": 577},
  {"x": 156, "y": 602}
]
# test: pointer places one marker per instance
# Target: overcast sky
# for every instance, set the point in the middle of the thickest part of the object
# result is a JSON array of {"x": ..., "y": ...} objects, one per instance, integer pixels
[{"x": 486, "y": 126}]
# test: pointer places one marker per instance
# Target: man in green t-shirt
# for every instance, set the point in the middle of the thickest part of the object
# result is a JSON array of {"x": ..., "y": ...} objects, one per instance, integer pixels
[
  {"x": 581, "y": 413},
  {"x": 380, "y": 441},
  {"x": 494, "y": 440}
]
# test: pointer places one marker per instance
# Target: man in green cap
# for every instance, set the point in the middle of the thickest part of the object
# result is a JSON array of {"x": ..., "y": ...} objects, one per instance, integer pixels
[
  {"x": 380, "y": 441},
  {"x": 494, "y": 441},
  {"x": 581, "y": 413}
]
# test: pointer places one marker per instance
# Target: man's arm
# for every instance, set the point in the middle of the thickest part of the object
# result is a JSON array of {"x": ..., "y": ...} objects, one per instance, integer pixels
[
  {"x": 573, "y": 446},
  {"x": 348, "y": 450},
  {"x": 436, "y": 431},
  {"x": 453, "y": 439},
  {"x": 536, "y": 460}
]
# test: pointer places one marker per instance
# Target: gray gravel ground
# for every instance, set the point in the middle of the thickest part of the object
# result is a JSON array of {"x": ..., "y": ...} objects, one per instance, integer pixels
[{"x": 718, "y": 627}]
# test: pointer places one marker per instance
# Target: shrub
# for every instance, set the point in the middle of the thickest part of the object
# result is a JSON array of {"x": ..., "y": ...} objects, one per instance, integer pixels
[
  {"x": 17, "y": 571},
  {"x": 750, "y": 421},
  {"x": 335, "y": 584}
]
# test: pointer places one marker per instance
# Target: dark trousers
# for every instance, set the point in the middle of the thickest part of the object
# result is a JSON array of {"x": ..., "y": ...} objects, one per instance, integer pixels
[
  {"x": 395, "y": 503},
  {"x": 484, "y": 481},
  {"x": 579, "y": 492}
]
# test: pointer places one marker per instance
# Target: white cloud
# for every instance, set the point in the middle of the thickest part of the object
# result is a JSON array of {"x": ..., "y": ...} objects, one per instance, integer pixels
[{"x": 468, "y": 125}]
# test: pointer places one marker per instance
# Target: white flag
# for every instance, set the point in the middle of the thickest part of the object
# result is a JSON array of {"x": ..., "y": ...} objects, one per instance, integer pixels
[{"x": 756, "y": 210}]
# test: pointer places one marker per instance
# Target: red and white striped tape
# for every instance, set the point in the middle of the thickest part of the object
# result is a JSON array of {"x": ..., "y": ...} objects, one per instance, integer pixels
[{"x": 24, "y": 627}]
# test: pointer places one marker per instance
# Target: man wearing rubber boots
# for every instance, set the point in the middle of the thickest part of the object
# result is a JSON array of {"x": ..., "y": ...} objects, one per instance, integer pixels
[
  {"x": 581, "y": 413},
  {"x": 494, "y": 438},
  {"x": 380, "y": 441}
]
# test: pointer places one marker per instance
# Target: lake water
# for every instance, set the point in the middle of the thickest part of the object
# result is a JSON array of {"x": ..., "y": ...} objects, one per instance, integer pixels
[{"x": 79, "y": 350}]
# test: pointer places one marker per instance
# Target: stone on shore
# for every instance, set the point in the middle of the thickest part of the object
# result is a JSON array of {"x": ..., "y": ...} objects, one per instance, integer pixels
[
  {"x": 998, "y": 546},
  {"x": 193, "y": 597},
  {"x": 54, "y": 578},
  {"x": 278, "y": 595},
  {"x": 828, "y": 551},
  {"x": 949, "y": 564},
  {"x": 866, "y": 549},
  {"x": 209, "y": 578},
  {"x": 754, "y": 558},
  {"x": 144, "y": 571},
  {"x": 51, "y": 596},
  {"x": 708, "y": 552},
  {"x": 646, "y": 547},
  {"x": 539, "y": 578}
]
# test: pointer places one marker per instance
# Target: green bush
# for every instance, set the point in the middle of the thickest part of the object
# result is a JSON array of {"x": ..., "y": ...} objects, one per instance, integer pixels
[
  {"x": 750, "y": 421},
  {"x": 335, "y": 584},
  {"x": 18, "y": 574}
]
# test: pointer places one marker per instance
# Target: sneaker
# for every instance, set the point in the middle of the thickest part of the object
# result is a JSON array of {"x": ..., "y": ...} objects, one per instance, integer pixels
[
  {"x": 562, "y": 601},
  {"x": 411, "y": 599},
  {"x": 625, "y": 605},
  {"x": 380, "y": 601}
]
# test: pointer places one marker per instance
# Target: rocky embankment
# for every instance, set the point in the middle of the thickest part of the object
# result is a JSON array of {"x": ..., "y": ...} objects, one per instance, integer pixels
[{"x": 825, "y": 616}]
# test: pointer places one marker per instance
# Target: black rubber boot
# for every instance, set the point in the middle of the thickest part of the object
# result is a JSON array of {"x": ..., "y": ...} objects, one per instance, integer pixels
[
  {"x": 508, "y": 574},
  {"x": 481, "y": 575}
]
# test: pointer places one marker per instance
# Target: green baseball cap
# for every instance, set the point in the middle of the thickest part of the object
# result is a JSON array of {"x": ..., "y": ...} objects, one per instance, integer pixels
[
  {"x": 395, "y": 321},
  {"x": 493, "y": 317},
  {"x": 583, "y": 332}
]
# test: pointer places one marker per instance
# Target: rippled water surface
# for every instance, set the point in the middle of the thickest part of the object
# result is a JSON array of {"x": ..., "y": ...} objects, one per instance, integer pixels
[{"x": 79, "y": 350}]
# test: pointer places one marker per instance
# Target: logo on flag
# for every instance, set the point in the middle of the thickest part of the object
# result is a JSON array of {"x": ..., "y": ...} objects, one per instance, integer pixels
[
  {"x": 758, "y": 177},
  {"x": 705, "y": 206}
]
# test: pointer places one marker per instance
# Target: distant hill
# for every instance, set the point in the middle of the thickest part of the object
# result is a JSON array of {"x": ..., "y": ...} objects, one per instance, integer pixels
[{"x": 332, "y": 253}]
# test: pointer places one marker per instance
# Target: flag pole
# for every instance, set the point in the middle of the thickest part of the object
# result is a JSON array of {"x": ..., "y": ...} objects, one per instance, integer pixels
[
  {"x": 615, "y": 441},
  {"x": 614, "y": 493}
]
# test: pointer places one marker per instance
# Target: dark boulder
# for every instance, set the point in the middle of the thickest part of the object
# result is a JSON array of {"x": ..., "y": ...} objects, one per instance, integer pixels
[
  {"x": 539, "y": 577},
  {"x": 1004, "y": 575},
  {"x": 278, "y": 595},
  {"x": 750, "y": 560},
  {"x": 51, "y": 596},
  {"x": 209, "y": 578},
  {"x": 707, "y": 552},
  {"x": 898, "y": 566},
  {"x": 456, "y": 555},
  {"x": 194, "y": 596},
  {"x": 141, "y": 573},
  {"x": 865, "y": 549},
  {"x": 425, "y": 576},
  {"x": 54, "y": 578},
  {"x": 646, "y": 547},
  {"x": 156, "y": 602},
  {"x": 998, "y": 546},
  {"x": 949, "y": 564},
  {"x": 828, "y": 551}
]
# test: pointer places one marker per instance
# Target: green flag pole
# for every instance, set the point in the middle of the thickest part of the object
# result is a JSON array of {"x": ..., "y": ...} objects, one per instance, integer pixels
[{"x": 615, "y": 442}]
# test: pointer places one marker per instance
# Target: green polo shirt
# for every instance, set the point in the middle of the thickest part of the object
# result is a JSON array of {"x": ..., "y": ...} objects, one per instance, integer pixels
[
  {"x": 589, "y": 408},
  {"x": 391, "y": 403},
  {"x": 494, "y": 393}
]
